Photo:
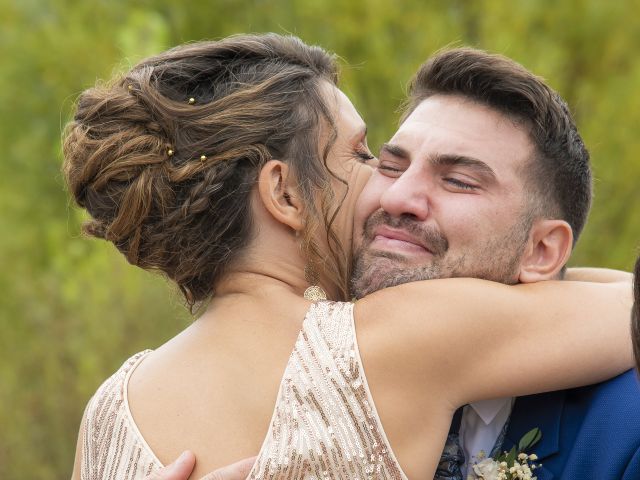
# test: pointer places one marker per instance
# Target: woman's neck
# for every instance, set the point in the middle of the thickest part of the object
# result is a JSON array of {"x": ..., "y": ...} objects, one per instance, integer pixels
[
  {"x": 256, "y": 283},
  {"x": 268, "y": 277}
]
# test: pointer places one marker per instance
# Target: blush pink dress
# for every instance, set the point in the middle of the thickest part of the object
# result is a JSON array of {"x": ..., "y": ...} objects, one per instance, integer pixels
[{"x": 324, "y": 424}]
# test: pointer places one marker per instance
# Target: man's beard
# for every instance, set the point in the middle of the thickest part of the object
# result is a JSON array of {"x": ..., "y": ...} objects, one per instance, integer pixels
[{"x": 496, "y": 258}]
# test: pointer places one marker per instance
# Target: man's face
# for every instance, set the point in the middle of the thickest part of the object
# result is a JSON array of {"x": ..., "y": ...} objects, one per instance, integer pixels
[{"x": 447, "y": 199}]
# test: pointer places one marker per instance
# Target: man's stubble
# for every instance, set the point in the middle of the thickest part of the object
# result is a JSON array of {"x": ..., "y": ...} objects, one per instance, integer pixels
[{"x": 496, "y": 258}]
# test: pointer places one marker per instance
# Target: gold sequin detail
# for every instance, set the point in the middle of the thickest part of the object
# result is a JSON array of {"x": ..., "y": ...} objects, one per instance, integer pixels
[
  {"x": 325, "y": 425},
  {"x": 111, "y": 447}
]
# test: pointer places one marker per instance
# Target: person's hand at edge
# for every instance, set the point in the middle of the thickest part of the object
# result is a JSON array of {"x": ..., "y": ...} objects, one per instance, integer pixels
[{"x": 181, "y": 468}]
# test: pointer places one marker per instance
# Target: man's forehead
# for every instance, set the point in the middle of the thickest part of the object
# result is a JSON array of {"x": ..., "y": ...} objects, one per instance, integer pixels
[{"x": 453, "y": 125}]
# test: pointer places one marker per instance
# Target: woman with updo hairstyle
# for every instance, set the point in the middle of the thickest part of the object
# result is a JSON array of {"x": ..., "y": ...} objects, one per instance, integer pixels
[
  {"x": 232, "y": 167},
  {"x": 140, "y": 155}
]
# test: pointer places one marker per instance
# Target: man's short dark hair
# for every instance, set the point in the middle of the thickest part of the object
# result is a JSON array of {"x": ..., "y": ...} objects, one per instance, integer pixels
[{"x": 559, "y": 175}]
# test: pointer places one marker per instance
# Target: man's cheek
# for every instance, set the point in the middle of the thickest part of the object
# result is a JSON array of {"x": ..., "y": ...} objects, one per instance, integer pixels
[
  {"x": 358, "y": 235},
  {"x": 361, "y": 214}
]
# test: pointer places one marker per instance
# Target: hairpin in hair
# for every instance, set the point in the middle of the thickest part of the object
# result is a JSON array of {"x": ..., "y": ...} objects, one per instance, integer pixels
[
  {"x": 170, "y": 152},
  {"x": 203, "y": 158},
  {"x": 192, "y": 101}
]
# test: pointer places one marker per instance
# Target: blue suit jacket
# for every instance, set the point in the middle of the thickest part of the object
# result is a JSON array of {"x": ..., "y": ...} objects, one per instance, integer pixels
[{"x": 590, "y": 433}]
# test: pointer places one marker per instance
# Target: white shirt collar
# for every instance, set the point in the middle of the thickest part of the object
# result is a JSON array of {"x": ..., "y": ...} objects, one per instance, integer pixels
[{"x": 487, "y": 410}]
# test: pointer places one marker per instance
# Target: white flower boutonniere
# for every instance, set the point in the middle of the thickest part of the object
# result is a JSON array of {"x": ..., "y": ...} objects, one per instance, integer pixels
[{"x": 512, "y": 465}]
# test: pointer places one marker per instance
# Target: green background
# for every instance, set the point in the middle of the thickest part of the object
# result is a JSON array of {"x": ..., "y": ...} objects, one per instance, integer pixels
[{"x": 71, "y": 309}]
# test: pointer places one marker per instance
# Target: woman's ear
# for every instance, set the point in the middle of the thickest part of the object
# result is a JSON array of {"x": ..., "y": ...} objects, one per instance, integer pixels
[
  {"x": 549, "y": 249},
  {"x": 278, "y": 192}
]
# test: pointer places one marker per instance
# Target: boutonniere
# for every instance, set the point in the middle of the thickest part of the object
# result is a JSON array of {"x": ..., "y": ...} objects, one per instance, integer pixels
[{"x": 515, "y": 464}]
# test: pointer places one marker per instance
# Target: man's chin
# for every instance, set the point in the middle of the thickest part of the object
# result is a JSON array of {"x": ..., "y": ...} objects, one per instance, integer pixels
[
  {"x": 372, "y": 284},
  {"x": 374, "y": 257},
  {"x": 364, "y": 288},
  {"x": 385, "y": 272}
]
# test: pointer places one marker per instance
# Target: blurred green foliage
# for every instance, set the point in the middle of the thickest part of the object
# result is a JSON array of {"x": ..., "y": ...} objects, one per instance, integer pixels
[{"x": 71, "y": 309}]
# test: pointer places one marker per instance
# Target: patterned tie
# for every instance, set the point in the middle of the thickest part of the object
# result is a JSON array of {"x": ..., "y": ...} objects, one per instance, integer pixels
[
  {"x": 452, "y": 459},
  {"x": 497, "y": 447}
]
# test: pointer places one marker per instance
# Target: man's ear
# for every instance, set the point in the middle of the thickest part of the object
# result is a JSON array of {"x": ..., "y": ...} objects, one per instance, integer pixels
[
  {"x": 548, "y": 250},
  {"x": 278, "y": 193}
]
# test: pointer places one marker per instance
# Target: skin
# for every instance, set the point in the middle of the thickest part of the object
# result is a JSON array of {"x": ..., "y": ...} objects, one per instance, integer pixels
[
  {"x": 182, "y": 467},
  {"x": 448, "y": 199},
  {"x": 204, "y": 381},
  {"x": 259, "y": 303}
]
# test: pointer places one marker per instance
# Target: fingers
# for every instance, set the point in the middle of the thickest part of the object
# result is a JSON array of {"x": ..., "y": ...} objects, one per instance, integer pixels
[
  {"x": 236, "y": 471},
  {"x": 180, "y": 469}
]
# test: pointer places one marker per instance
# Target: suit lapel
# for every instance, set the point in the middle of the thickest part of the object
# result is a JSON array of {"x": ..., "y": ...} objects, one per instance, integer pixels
[{"x": 545, "y": 412}]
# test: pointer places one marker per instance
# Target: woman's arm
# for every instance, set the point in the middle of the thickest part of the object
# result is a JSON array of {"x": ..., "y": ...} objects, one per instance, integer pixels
[
  {"x": 468, "y": 339},
  {"x": 598, "y": 275}
]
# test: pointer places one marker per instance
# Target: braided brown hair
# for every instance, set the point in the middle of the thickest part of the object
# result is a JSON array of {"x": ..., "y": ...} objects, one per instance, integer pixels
[{"x": 164, "y": 157}]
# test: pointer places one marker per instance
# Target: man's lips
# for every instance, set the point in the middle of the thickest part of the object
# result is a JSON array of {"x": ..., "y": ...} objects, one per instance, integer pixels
[{"x": 387, "y": 238}]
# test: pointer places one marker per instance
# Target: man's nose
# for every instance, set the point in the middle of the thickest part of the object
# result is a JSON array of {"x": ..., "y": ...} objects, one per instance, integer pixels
[{"x": 408, "y": 195}]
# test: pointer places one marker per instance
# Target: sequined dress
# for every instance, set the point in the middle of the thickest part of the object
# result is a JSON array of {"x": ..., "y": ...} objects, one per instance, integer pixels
[{"x": 324, "y": 423}]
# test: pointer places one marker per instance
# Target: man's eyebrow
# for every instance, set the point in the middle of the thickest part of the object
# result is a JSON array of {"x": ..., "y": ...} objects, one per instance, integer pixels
[
  {"x": 445, "y": 159},
  {"x": 395, "y": 150},
  {"x": 464, "y": 161}
]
